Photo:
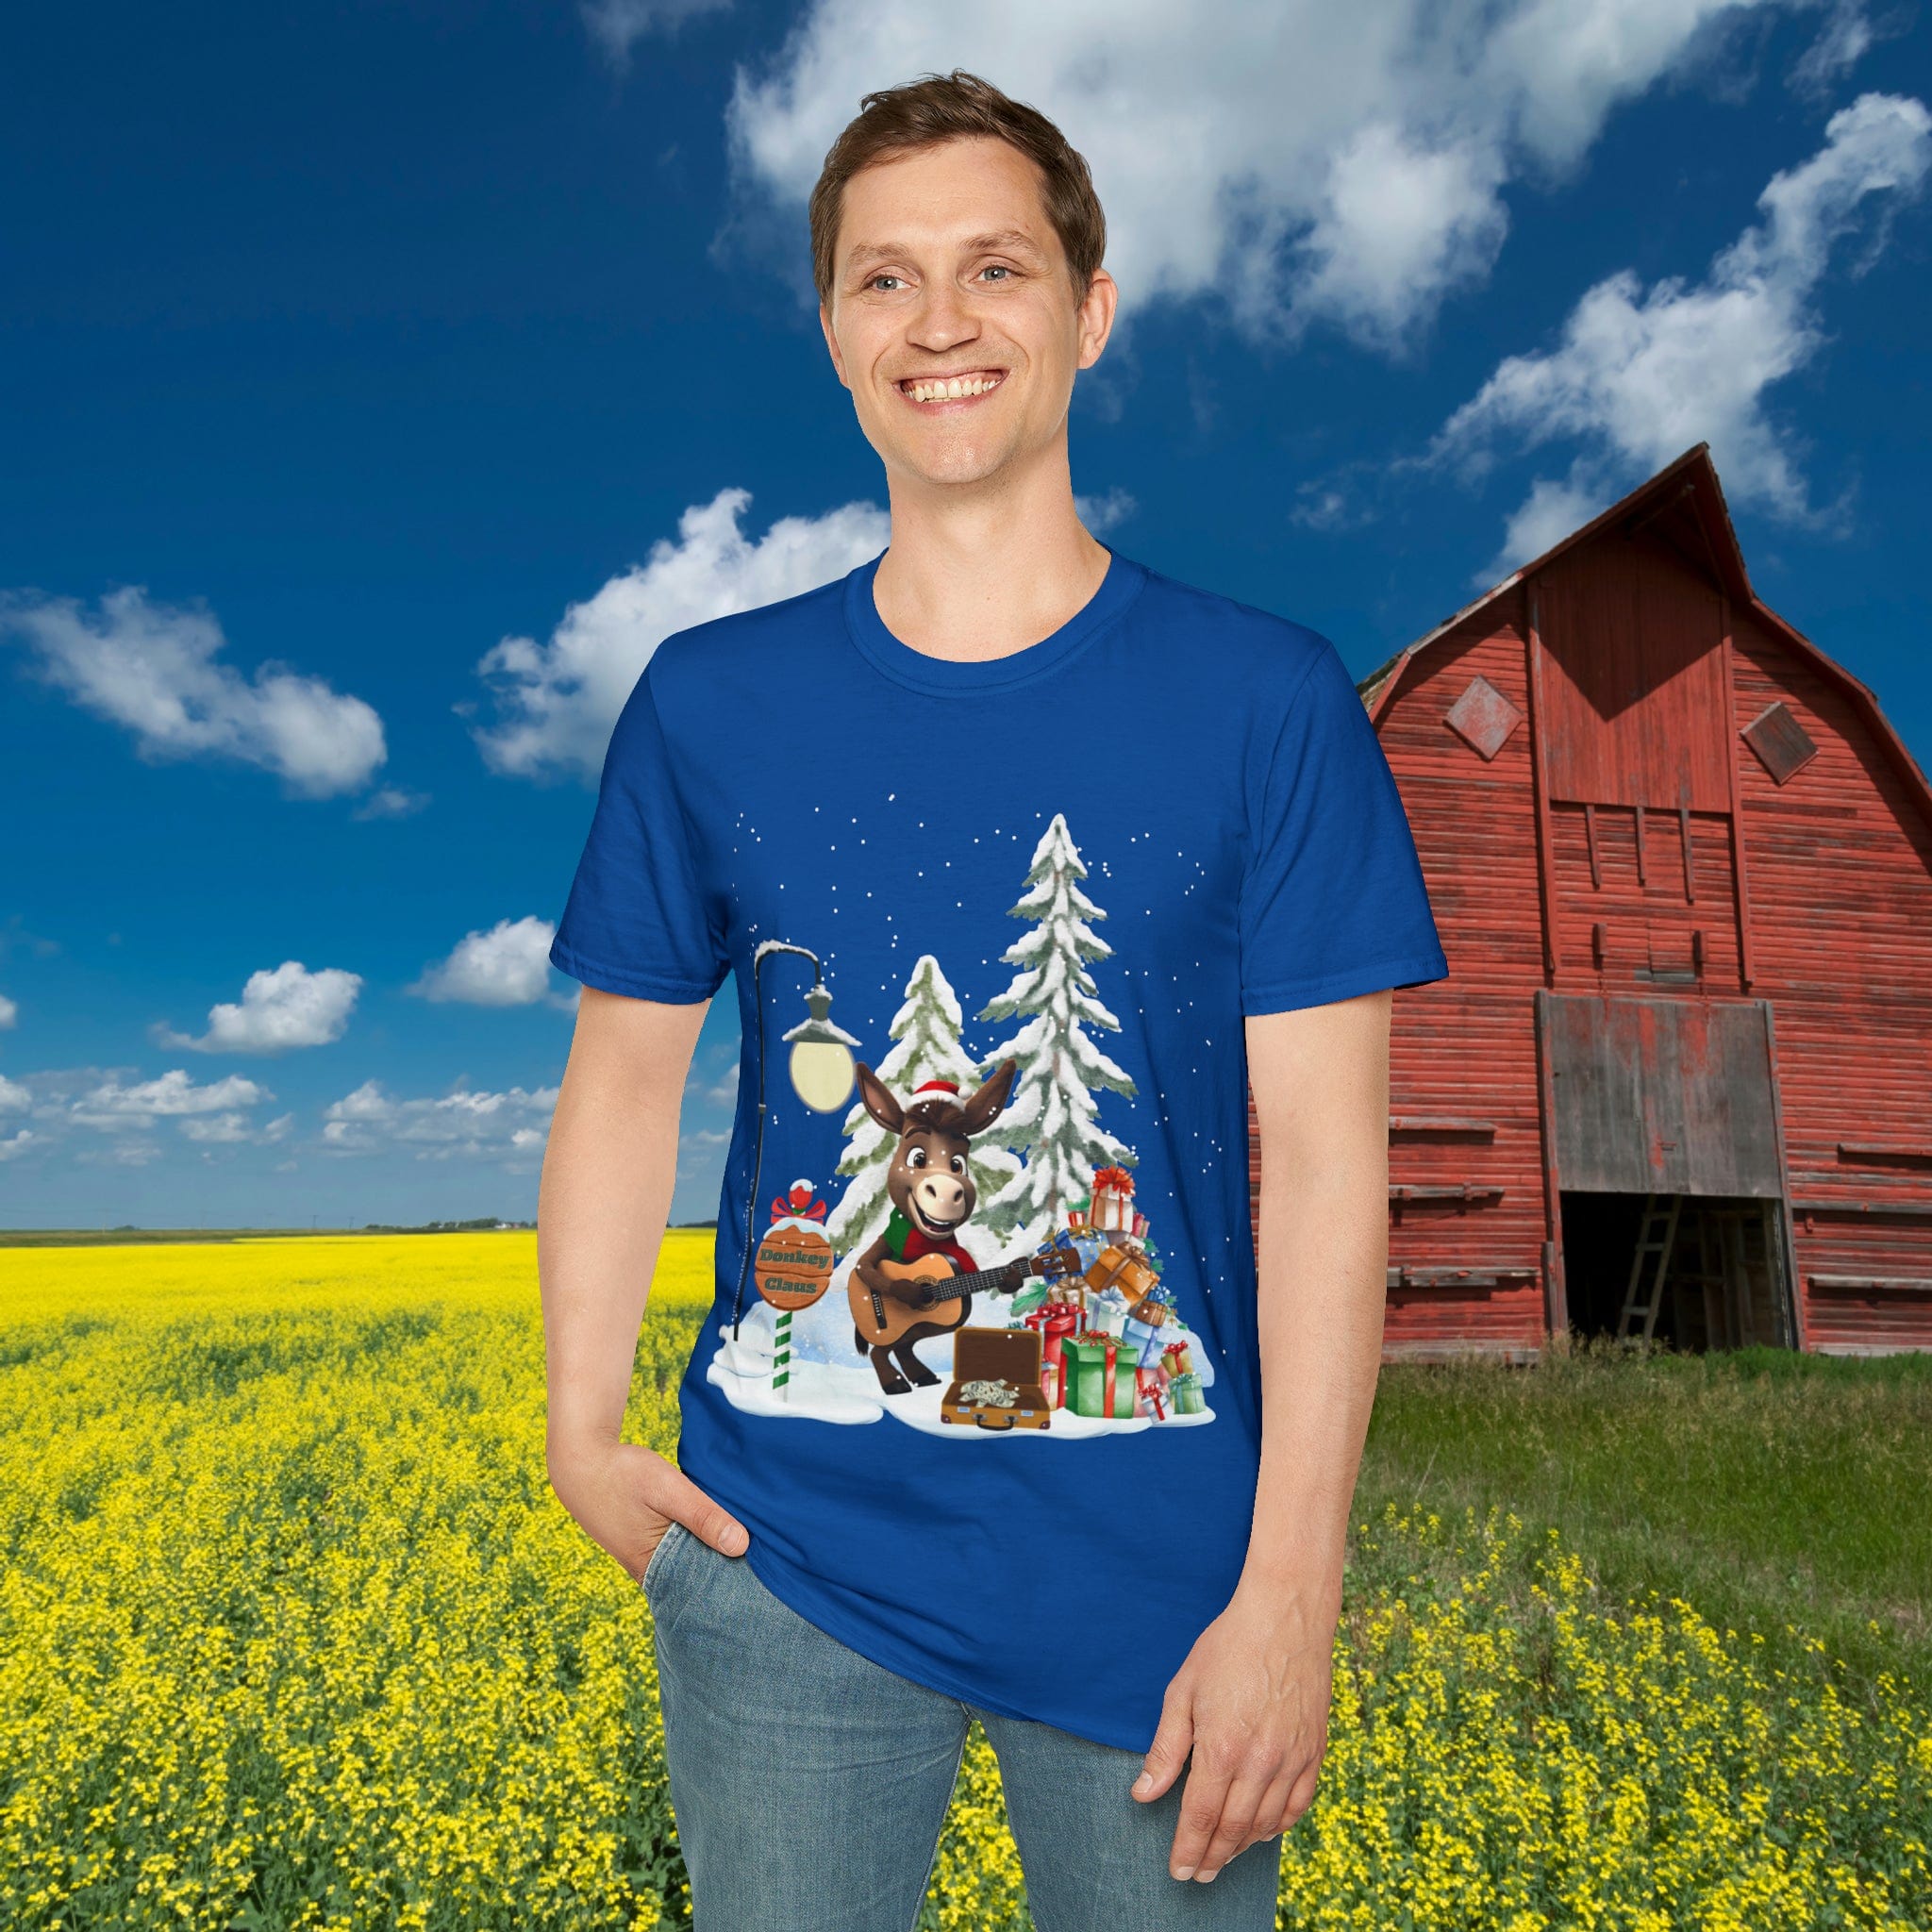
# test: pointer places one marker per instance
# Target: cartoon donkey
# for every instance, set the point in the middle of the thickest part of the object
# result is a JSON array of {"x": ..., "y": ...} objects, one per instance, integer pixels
[{"x": 916, "y": 1279}]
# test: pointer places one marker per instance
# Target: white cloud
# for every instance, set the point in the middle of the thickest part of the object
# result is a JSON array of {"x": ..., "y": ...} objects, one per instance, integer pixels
[
  {"x": 391, "y": 802},
  {"x": 1552, "y": 509},
  {"x": 616, "y": 24},
  {"x": 19, "y": 1145},
  {"x": 10, "y": 1012},
  {"x": 506, "y": 966},
  {"x": 1297, "y": 159},
  {"x": 112, "y": 1108},
  {"x": 1104, "y": 513},
  {"x": 508, "y": 1127},
  {"x": 558, "y": 700},
  {"x": 1847, "y": 37},
  {"x": 1640, "y": 375},
  {"x": 157, "y": 669},
  {"x": 222, "y": 1128},
  {"x": 283, "y": 1007},
  {"x": 14, "y": 1098},
  {"x": 122, "y": 1154}
]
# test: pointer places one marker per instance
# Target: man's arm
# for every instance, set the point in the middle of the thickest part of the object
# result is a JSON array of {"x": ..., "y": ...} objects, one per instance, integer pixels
[
  {"x": 1252, "y": 1700},
  {"x": 605, "y": 1198}
]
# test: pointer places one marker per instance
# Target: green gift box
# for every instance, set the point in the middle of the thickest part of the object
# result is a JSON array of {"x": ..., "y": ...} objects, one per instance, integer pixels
[
  {"x": 1184, "y": 1394},
  {"x": 1083, "y": 1360}
]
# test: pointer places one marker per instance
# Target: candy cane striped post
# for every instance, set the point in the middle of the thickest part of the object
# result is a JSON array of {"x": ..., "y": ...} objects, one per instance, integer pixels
[{"x": 781, "y": 1364}]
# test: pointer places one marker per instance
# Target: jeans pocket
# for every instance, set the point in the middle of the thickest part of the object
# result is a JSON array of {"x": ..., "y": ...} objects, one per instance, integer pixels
[{"x": 655, "y": 1564}]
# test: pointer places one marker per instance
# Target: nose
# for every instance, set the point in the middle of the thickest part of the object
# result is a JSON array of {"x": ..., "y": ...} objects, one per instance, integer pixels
[
  {"x": 944, "y": 1195},
  {"x": 943, "y": 320}
]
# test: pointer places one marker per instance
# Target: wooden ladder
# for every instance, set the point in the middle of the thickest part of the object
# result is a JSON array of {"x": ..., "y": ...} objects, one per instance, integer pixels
[{"x": 1656, "y": 1236}]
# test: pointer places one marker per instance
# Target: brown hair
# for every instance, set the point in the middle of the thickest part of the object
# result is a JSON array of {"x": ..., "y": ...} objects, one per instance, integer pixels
[{"x": 939, "y": 108}]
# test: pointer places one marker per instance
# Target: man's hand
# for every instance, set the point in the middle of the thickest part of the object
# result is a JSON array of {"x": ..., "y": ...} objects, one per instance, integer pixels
[
  {"x": 606, "y": 1194},
  {"x": 626, "y": 1498},
  {"x": 1251, "y": 1703}
]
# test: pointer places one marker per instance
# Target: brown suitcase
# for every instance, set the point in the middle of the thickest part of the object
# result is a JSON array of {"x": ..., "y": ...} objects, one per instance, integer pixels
[{"x": 1010, "y": 1355}]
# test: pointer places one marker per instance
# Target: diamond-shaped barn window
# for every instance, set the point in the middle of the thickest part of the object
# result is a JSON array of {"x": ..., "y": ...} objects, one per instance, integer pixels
[
  {"x": 1782, "y": 743},
  {"x": 1483, "y": 717}
]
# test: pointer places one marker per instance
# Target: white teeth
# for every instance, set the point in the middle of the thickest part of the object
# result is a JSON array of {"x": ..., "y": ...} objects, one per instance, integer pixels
[{"x": 956, "y": 386}]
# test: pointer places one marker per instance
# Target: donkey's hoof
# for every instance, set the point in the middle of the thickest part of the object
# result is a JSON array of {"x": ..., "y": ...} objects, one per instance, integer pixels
[
  {"x": 895, "y": 1385},
  {"x": 923, "y": 1378}
]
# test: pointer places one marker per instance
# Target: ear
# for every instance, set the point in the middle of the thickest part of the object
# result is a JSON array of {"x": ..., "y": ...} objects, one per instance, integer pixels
[
  {"x": 1096, "y": 316},
  {"x": 878, "y": 1102},
  {"x": 989, "y": 1102}
]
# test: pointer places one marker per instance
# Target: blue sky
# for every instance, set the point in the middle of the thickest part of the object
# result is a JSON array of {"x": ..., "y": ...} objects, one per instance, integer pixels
[{"x": 374, "y": 377}]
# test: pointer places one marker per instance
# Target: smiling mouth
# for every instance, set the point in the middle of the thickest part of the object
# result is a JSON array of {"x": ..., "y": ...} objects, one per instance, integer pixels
[
  {"x": 936, "y": 391},
  {"x": 934, "y": 1225}
]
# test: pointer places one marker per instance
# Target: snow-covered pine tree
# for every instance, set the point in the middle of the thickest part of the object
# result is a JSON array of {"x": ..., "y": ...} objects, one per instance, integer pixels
[
  {"x": 927, "y": 1028},
  {"x": 1053, "y": 1120}
]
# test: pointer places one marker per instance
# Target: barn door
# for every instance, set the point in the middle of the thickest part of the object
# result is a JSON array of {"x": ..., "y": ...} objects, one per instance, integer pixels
[
  {"x": 1661, "y": 1095},
  {"x": 1653, "y": 1101}
]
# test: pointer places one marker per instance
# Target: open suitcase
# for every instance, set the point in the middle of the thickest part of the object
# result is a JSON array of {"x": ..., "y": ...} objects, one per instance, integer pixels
[{"x": 1007, "y": 1355}]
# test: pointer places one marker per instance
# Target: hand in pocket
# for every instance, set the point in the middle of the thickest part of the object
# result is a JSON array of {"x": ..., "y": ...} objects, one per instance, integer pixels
[{"x": 626, "y": 1498}]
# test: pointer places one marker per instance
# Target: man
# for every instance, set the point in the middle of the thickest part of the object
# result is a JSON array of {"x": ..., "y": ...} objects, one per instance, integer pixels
[{"x": 998, "y": 716}]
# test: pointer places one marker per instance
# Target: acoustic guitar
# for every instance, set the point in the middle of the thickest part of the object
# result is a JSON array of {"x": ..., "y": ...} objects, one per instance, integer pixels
[{"x": 883, "y": 1319}]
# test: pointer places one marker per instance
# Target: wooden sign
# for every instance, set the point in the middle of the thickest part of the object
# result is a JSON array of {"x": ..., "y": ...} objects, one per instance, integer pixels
[{"x": 793, "y": 1267}]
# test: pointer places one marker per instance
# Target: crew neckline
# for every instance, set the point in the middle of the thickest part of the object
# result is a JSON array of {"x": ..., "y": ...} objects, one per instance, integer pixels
[{"x": 924, "y": 672}]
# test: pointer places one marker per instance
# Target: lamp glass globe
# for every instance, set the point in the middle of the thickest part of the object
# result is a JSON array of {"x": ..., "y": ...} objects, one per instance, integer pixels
[{"x": 822, "y": 1072}]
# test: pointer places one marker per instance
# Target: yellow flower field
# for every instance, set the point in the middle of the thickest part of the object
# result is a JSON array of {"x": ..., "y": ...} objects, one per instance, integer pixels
[{"x": 295, "y": 1634}]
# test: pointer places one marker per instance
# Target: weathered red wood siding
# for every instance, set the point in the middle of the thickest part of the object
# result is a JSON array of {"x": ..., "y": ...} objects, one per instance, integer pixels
[
  {"x": 1465, "y": 1262},
  {"x": 1839, "y": 860}
]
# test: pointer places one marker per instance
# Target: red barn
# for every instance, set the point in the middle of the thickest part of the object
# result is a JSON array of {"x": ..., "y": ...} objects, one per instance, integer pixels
[{"x": 1679, "y": 1079}]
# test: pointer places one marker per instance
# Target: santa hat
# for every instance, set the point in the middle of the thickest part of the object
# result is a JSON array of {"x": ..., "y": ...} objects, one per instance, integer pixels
[{"x": 935, "y": 1090}]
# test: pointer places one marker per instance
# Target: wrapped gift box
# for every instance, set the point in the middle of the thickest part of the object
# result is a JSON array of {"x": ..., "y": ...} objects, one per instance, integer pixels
[
  {"x": 1099, "y": 1374},
  {"x": 1150, "y": 1393},
  {"x": 1142, "y": 1340},
  {"x": 1155, "y": 1306},
  {"x": 1184, "y": 1394},
  {"x": 1177, "y": 1357},
  {"x": 1111, "y": 1209},
  {"x": 1126, "y": 1269},
  {"x": 1054, "y": 1322}
]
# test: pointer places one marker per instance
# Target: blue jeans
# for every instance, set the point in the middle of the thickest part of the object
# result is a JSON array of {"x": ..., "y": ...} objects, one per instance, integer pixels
[{"x": 810, "y": 1784}]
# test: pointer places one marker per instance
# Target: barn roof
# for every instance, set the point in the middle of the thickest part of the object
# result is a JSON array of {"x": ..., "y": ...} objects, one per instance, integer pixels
[{"x": 1686, "y": 502}]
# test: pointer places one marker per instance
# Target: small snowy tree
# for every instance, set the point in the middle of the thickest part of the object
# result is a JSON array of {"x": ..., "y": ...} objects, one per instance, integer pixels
[
  {"x": 1053, "y": 1120},
  {"x": 928, "y": 1030}
]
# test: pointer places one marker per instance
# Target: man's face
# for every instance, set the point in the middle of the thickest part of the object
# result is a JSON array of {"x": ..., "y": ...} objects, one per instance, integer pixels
[{"x": 952, "y": 319}]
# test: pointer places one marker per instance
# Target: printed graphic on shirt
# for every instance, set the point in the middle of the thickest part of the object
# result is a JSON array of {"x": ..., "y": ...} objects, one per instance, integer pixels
[{"x": 986, "y": 1269}]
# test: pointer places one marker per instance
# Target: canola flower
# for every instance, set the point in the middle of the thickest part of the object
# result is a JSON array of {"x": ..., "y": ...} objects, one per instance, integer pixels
[{"x": 292, "y": 1633}]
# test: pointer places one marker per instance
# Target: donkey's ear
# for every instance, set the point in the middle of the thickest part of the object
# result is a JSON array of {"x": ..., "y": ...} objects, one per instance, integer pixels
[
  {"x": 989, "y": 1101},
  {"x": 878, "y": 1101}
]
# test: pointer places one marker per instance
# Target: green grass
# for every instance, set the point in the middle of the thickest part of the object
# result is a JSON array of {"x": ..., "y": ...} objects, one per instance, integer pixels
[{"x": 1778, "y": 1492}]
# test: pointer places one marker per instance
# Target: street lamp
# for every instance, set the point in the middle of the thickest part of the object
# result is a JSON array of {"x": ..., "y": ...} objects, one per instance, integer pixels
[
  {"x": 822, "y": 1074},
  {"x": 821, "y": 1064}
]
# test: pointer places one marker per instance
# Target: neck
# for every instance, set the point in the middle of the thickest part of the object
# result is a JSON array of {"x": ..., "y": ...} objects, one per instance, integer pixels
[{"x": 982, "y": 570}]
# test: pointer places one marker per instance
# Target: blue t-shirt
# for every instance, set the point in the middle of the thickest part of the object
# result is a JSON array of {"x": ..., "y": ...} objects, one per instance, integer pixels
[{"x": 1090, "y": 857}]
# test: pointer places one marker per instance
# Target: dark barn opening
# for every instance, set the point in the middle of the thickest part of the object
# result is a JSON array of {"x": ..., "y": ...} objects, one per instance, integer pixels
[{"x": 1698, "y": 1272}]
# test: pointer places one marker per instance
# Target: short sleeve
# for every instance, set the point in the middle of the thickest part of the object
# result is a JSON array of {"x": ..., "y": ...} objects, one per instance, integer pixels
[
  {"x": 637, "y": 921},
  {"x": 1333, "y": 903}
]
